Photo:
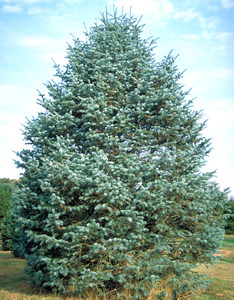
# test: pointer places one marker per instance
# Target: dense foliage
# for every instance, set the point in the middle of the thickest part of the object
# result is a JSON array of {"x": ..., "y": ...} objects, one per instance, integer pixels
[
  {"x": 6, "y": 189},
  {"x": 229, "y": 229},
  {"x": 7, "y": 223},
  {"x": 113, "y": 197},
  {"x": 7, "y": 231}
]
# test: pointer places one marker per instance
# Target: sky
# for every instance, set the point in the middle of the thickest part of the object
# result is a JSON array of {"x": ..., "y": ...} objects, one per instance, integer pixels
[{"x": 201, "y": 32}]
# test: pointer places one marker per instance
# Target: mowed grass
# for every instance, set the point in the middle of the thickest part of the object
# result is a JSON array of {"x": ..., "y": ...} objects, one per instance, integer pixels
[
  {"x": 13, "y": 281},
  {"x": 14, "y": 286},
  {"x": 222, "y": 273}
]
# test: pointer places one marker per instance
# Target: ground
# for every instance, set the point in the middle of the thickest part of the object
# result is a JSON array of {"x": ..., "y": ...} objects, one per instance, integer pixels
[{"x": 13, "y": 281}]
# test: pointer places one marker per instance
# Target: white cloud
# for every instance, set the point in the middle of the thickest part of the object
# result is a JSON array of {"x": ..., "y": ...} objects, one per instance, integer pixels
[
  {"x": 72, "y": 1},
  {"x": 155, "y": 10},
  {"x": 191, "y": 36},
  {"x": 12, "y": 8},
  {"x": 10, "y": 136},
  {"x": 9, "y": 125},
  {"x": 220, "y": 127},
  {"x": 58, "y": 57},
  {"x": 227, "y": 3},
  {"x": 208, "y": 23},
  {"x": 8, "y": 168},
  {"x": 8, "y": 94},
  {"x": 221, "y": 50},
  {"x": 208, "y": 84},
  {"x": 13, "y": 98},
  {"x": 223, "y": 36},
  {"x": 207, "y": 35},
  {"x": 222, "y": 111},
  {"x": 187, "y": 16},
  {"x": 24, "y": 1},
  {"x": 213, "y": 7},
  {"x": 16, "y": 103},
  {"x": 208, "y": 75},
  {"x": 35, "y": 41},
  {"x": 45, "y": 48},
  {"x": 34, "y": 10},
  {"x": 191, "y": 14}
]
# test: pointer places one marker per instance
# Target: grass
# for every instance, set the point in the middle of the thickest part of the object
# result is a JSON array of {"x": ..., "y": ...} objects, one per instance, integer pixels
[
  {"x": 228, "y": 242},
  {"x": 13, "y": 281},
  {"x": 222, "y": 273}
]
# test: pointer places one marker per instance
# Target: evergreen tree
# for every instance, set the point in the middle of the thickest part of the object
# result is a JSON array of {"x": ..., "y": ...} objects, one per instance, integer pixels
[
  {"x": 7, "y": 230},
  {"x": 229, "y": 229},
  {"x": 6, "y": 189},
  {"x": 112, "y": 197}
]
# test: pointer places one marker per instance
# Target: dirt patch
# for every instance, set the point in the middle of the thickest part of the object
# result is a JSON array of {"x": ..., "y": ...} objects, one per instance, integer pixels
[
  {"x": 219, "y": 271},
  {"x": 219, "y": 295},
  {"x": 223, "y": 272},
  {"x": 225, "y": 253}
]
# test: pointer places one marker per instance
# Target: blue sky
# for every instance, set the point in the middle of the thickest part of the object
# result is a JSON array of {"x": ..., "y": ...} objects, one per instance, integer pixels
[{"x": 202, "y": 32}]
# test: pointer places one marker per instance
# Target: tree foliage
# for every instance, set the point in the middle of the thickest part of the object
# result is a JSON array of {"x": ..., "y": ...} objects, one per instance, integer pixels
[
  {"x": 6, "y": 189},
  {"x": 7, "y": 230},
  {"x": 229, "y": 228},
  {"x": 7, "y": 222},
  {"x": 112, "y": 197}
]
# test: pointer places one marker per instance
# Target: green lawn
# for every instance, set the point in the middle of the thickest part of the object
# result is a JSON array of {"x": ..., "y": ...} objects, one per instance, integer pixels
[
  {"x": 221, "y": 273},
  {"x": 228, "y": 242},
  {"x": 13, "y": 281}
]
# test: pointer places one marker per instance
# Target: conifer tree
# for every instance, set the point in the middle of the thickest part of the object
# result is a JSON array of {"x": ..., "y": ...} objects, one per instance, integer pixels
[
  {"x": 6, "y": 189},
  {"x": 112, "y": 197}
]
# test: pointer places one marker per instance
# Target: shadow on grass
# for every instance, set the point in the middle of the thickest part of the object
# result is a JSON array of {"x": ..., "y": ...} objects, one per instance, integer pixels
[
  {"x": 12, "y": 277},
  {"x": 219, "y": 289},
  {"x": 13, "y": 280}
]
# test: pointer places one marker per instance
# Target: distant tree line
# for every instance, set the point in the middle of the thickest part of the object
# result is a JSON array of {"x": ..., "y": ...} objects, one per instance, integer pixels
[
  {"x": 6, "y": 188},
  {"x": 7, "y": 224},
  {"x": 229, "y": 229}
]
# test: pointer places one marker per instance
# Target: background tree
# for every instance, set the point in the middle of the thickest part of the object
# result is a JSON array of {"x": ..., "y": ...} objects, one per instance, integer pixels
[
  {"x": 229, "y": 229},
  {"x": 113, "y": 197},
  {"x": 7, "y": 221},
  {"x": 7, "y": 231},
  {"x": 6, "y": 189}
]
